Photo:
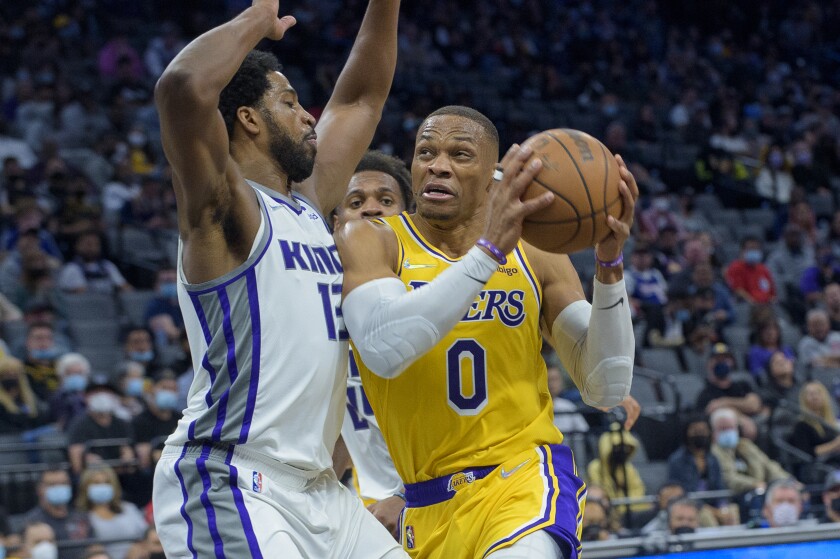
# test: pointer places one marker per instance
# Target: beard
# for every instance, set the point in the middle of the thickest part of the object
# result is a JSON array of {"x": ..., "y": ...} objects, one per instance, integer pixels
[{"x": 297, "y": 159}]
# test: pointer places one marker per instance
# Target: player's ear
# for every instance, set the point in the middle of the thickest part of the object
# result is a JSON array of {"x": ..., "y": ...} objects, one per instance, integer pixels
[{"x": 250, "y": 119}]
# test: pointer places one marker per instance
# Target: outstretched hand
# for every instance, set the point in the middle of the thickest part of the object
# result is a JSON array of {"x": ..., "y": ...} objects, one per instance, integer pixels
[
  {"x": 505, "y": 209},
  {"x": 611, "y": 247},
  {"x": 281, "y": 24},
  {"x": 631, "y": 408}
]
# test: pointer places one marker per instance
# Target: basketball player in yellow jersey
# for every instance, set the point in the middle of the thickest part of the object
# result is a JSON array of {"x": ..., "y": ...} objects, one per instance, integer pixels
[{"x": 445, "y": 308}]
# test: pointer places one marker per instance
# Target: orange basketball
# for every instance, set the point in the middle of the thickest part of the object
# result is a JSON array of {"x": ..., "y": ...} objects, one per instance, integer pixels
[{"x": 583, "y": 175}]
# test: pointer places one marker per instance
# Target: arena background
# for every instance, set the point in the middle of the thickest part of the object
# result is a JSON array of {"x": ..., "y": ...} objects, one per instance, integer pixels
[{"x": 727, "y": 113}]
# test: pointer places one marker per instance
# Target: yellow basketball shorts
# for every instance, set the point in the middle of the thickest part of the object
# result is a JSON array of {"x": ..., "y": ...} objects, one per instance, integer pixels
[{"x": 474, "y": 512}]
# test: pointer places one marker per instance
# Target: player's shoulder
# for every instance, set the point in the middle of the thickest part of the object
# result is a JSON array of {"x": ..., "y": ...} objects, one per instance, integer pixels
[{"x": 362, "y": 231}]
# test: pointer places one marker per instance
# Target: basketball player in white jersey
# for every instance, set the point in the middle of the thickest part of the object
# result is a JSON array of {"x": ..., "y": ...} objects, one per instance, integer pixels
[
  {"x": 381, "y": 186},
  {"x": 248, "y": 473}
]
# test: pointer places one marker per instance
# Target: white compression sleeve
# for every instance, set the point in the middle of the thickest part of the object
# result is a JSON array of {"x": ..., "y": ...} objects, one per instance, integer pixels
[
  {"x": 391, "y": 327},
  {"x": 597, "y": 346}
]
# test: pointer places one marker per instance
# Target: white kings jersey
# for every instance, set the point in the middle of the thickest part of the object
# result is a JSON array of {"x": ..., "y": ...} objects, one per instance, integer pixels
[
  {"x": 268, "y": 342},
  {"x": 375, "y": 471}
]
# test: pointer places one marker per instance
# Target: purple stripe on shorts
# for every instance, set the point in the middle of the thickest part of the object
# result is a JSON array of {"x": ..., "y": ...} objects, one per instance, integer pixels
[
  {"x": 547, "y": 504},
  {"x": 184, "y": 514},
  {"x": 201, "y": 465},
  {"x": 244, "y": 517}
]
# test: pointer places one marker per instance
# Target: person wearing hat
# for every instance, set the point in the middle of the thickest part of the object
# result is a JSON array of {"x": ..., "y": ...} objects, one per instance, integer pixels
[
  {"x": 831, "y": 497},
  {"x": 722, "y": 392},
  {"x": 99, "y": 423}
]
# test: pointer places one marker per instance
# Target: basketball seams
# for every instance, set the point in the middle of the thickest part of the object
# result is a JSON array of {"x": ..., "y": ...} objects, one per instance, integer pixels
[
  {"x": 578, "y": 219},
  {"x": 573, "y": 219},
  {"x": 580, "y": 174}
]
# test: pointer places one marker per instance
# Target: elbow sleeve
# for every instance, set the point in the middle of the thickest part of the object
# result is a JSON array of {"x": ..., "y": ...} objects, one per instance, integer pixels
[{"x": 597, "y": 345}]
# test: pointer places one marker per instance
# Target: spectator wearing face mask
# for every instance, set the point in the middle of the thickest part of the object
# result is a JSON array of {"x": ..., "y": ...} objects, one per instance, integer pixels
[
  {"x": 163, "y": 315},
  {"x": 774, "y": 181},
  {"x": 693, "y": 465},
  {"x": 683, "y": 516},
  {"x": 55, "y": 493},
  {"x": 41, "y": 355},
  {"x": 160, "y": 417},
  {"x": 831, "y": 497},
  {"x": 612, "y": 469},
  {"x": 39, "y": 542},
  {"x": 69, "y": 401},
  {"x": 721, "y": 391},
  {"x": 99, "y": 423},
  {"x": 115, "y": 522},
  {"x": 139, "y": 347},
  {"x": 132, "y": 382},
  {"x": 782, "y": 505},
  {"x": 668, "y": 493},
  {"x": 748, "y": 278},
  {"x": 743, "y": 465}
]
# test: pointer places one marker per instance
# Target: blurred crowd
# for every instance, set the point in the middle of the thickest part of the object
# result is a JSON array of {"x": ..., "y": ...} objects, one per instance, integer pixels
[{"x": 726, "y": 111}]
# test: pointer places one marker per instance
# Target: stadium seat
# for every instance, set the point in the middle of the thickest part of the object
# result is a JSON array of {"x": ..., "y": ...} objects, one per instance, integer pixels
[
  {"x": 664, "y": 360},
  {"x": 102, "y": 359},
  {"x": 133, "y": 305},
  {"x": 96, "y": 333},
  {"x": 689, "y": 387},
  {"x": 90, "y": 306}
]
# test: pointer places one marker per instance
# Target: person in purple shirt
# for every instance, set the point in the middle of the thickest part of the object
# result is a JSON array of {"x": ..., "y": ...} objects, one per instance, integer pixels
[{"x": 767, "y": 340}]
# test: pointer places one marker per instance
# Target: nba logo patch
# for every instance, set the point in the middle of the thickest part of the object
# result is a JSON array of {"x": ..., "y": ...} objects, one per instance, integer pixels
[
  {"x": 257, "y": 482},
  {"x": 409, "y": 537}
]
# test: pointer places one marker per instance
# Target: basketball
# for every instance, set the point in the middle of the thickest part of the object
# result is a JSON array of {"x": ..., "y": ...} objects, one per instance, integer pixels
[{"x": 583, "y": 175}]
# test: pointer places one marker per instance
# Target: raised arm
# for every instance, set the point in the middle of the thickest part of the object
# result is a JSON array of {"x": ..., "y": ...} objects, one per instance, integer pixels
[
  {"x": 352, "y": 114},
  {"x": 193, "y": 132},
  {"x": 594, "y": 341}
]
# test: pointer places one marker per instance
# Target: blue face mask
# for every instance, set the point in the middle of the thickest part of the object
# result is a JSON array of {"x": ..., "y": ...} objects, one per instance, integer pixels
[
  {"x": 134, "y": 387},
  {"x": 168, "y": 290},
  {"x": 45, "y": 354},
  {"x": 74, "y": 383},
  {"x": 728, "y": 438},
  {"x": 166, "y": 400},
  {"x": 2, "y": 551},
  {"x": 58, "y": 495},
  {"x": 100, "y": 493},
  {"x": 142, "y": 356},
  {"x": 722, "y": 370},
  {"x": 753, "y": 256},
  {"x": 682, "y": 315}
]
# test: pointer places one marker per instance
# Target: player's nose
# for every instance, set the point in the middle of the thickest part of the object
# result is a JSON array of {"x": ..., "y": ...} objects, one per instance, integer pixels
[
  {"x": 440, "y": 166},
  {"x": 371, "y": 209}
]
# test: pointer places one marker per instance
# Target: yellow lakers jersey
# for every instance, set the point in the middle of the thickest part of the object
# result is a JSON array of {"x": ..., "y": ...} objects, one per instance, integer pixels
[{"x": 481, "y": 394}]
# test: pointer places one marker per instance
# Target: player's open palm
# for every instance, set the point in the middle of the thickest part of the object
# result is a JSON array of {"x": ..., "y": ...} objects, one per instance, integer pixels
[{"x": 281, "y": 24}]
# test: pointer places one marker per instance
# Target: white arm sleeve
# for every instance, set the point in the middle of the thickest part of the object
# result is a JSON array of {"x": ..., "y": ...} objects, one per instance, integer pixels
[
  {"x": 596, "y": 344},
  {"x": 391, "y": 327}
]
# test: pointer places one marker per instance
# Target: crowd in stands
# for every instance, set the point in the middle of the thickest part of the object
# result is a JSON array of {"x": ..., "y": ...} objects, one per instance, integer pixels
[{"x": 726, "y": 112}]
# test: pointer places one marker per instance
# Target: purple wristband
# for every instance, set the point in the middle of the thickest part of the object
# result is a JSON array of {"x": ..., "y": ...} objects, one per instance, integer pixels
[
  {"x": 612, "y": 263},
  {"x": 494, "y": 250}
]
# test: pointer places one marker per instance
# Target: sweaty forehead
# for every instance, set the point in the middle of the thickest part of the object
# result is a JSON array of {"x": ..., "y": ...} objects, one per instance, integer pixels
[
  {"x": 278, "y": 81},
  {"x": 452, "y": 127}
]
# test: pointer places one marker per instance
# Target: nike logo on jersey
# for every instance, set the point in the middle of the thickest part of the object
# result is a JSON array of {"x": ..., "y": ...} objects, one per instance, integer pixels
[
  {"x": 616, "y": 304},
  {"x": 507, "y": 474},
  {"x": 409, "y": 266}
]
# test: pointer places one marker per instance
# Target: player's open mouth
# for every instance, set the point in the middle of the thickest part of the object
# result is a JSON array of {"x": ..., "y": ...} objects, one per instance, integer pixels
[{"x": 437, "y": 191}]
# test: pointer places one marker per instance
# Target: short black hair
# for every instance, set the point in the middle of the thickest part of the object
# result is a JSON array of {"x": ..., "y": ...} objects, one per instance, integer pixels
[
  {"x": 248, "y": 85},
  {"x": 471, "y": 114},
  {"x": 750, "y": 239},
  {"x": 375, "y": 160}
]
